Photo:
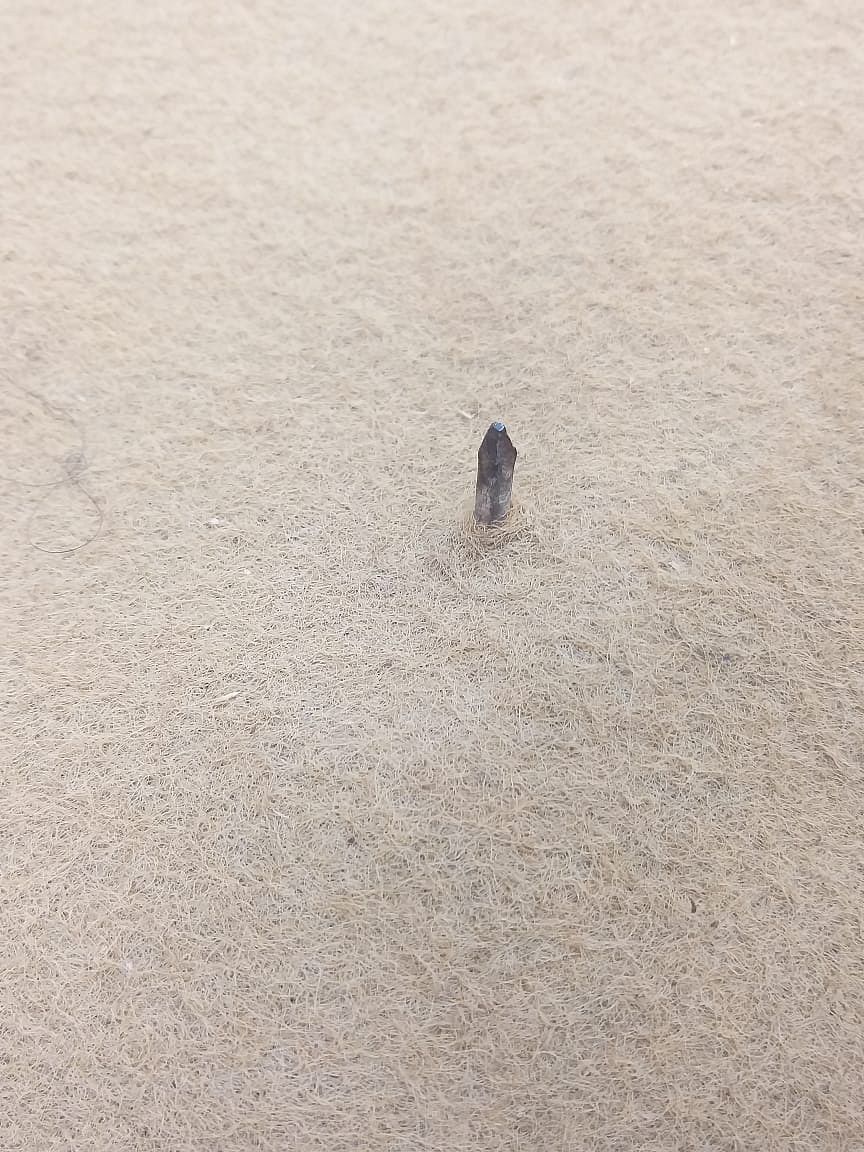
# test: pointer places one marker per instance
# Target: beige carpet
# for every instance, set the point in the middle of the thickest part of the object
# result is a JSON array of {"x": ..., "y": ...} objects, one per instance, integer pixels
[{"x": 326, "y": 824}]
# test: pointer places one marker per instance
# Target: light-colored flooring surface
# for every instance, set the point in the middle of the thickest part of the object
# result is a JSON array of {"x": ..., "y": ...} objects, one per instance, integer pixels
[{"x": 326, "y": 825}]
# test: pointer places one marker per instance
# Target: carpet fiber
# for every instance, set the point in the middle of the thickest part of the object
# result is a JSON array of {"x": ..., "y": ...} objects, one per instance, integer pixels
[{"x": 328, "y": 822}]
